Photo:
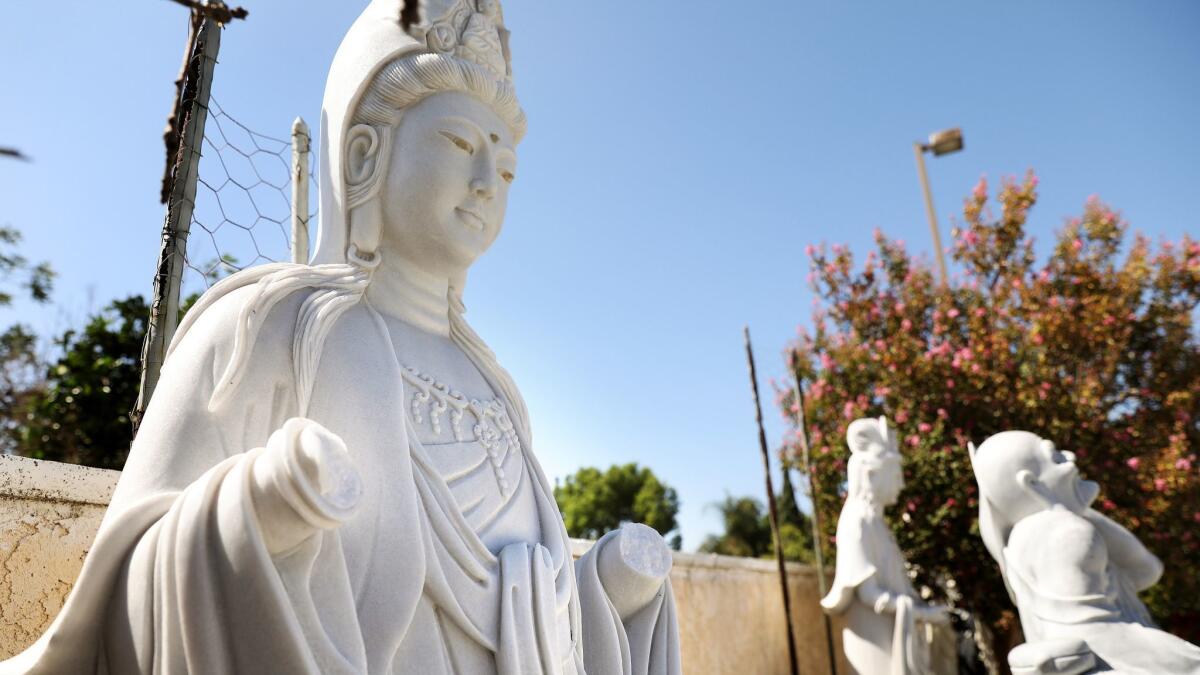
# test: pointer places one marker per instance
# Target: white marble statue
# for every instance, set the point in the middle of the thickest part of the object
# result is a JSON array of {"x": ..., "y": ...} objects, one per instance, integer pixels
[
  {"x": 1073, "y": 574},
  {"x": 884, "y": 614},
  {"x": 335, "y": 475}
]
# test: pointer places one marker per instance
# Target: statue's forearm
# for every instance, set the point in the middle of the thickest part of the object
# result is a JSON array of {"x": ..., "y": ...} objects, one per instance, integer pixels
[
  {"x": 633, "y": 565},
  {"x": 301, "y": 483}
]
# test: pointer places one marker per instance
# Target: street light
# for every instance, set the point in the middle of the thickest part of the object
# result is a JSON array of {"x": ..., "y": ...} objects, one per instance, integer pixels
[{"x": 940, "y": 143}]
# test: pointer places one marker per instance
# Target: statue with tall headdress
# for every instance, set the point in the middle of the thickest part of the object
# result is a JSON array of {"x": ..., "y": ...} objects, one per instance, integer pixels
[
  {"x": 335, "y": 475},
  {"x": 871, "y": 586},
  {"x": 1073, "y": 573}
]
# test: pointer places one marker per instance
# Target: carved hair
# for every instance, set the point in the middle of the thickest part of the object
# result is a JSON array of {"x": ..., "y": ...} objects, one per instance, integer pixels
[{"x": 407, "y": 81}]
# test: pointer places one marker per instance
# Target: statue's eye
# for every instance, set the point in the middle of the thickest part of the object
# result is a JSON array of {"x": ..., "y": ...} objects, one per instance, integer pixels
[
  {"x": 507, "y": 175},
  {"x": 460, "y": 142}
]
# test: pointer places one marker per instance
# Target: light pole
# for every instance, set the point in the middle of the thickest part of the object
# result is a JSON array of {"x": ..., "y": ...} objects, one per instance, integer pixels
[{"x": 940, "y": 143}]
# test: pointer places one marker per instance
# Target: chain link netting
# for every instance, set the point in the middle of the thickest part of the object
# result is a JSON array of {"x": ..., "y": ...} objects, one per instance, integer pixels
[{"x": 243, "y": 210}]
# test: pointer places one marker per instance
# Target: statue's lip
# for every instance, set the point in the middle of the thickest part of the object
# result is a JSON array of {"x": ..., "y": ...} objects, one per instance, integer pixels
[{"x": 472, "y": 219}]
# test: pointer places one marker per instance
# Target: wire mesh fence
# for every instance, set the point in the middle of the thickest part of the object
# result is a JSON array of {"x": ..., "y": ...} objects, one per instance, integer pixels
[{"x": 243, "y": 207}]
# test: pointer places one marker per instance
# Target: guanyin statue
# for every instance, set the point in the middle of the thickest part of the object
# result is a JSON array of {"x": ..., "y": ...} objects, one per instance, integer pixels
[{"x": 335, "y": 475}]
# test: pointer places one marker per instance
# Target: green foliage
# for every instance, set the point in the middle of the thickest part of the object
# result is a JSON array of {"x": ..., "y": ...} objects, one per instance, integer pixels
[
  {"x": 594, "y": 502},
  {"x": 37, "y": 280},
  {"x": 20, "y": 361},
  {"x": 82, "y": 415},
  {"x": 1092, "y": 349},
  {"x": 748, "y": 530},
  {"x": 21, "y": 378}
]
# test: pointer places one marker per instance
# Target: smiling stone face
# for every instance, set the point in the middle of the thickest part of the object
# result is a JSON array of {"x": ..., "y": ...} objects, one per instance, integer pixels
[{"x": 446, "y": 189}]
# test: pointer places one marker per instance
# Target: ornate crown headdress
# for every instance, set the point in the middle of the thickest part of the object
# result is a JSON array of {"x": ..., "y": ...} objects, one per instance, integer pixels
[
  {"x": 472, "y": 30},
  {"x": 870, "y": 437},
  {"x": 469, "y": 31}
]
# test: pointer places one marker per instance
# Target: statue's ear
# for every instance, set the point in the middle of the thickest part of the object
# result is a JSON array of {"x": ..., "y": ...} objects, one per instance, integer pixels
[
  {"x": 1034, "y": 488},
  {"x": 366, "y": 155},
  {"x": 362, "y": 155}
]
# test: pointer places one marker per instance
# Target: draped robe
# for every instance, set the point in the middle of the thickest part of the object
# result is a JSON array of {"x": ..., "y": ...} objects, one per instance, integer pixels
[
  {"x": 179, "y": 578},
  {"x": 874, "y": 642}
]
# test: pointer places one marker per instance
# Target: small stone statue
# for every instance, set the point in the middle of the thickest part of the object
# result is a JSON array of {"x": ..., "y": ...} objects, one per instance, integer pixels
[
  {"x": 335, "y": 475},
  {"x": 1073, "y": 573},
  {"x": 871, "y": 586}
]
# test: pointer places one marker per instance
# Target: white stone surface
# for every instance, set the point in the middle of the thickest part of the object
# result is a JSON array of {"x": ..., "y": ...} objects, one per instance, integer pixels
[
  {"x": 1073, "y": 574},
  {"x": 885, "y": 617},
  {"x": 729, "y": 609},
  {"x": 335, "y": 475}
]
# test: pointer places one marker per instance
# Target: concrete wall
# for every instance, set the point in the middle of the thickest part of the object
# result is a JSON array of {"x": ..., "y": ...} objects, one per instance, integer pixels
[
  {"x": 730, "y": 611},
  {"x": 49, "y": 513}
]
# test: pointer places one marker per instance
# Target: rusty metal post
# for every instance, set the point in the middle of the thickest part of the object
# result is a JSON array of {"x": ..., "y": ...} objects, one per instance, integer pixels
[
  {"x": 172, "y": 258},
  {"x": 771, "y": 509}
]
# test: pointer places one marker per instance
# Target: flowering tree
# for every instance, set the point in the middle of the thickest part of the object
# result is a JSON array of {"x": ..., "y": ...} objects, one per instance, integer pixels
[{"x": 1094, "y": 349}]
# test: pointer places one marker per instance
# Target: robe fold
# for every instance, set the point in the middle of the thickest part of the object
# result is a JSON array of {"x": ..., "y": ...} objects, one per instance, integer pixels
[{"x": 179, "y": 579}]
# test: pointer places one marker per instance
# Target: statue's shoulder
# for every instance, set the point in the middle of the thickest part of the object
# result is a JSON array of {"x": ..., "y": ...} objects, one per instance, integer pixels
[
  {"x": 239, "y": 304},
  {"x": 1056, "y": 535}
]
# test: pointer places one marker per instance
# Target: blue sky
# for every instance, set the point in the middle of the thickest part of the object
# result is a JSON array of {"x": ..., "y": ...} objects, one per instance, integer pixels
[{"x": 680, "y": 157}]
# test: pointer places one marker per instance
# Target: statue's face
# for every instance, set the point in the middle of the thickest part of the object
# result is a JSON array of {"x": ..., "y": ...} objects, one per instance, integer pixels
[
  {"x": 446, "y": 190},
  {"x": 1057, "y": 472}
]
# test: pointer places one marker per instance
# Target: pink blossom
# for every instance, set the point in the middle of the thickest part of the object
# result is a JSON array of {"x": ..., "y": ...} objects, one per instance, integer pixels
[
  {"x": 1183, "y": 464},
  {"x": 1108, "y": 504},
  {"x": 980, "y": 190},
  {"x": 848, "y": 410},
  {"x": 902, "y": 417},
  {"x": 1133, "y": 463},
  {"x": 969, "y": 238},
  {"x": 827, "y": 362},
  {"x": 810, "y": 250},
  {"x": 980, "y": 312},
  {"x": 952, "y": 313},
  {"x": 824, "y": 449},
  {"x": 1038, "y": 339},
  {"x": 951, "y": 503},
  {"x": 924, "y": 427},
  {"x": 1016, "y": 283},
  {"x": 906, "y": 325},
  {"x": 1077, "y": 244},
  {"x": 914, "y": 440},
  {"x": 898, "y": 307},
  {"x": 1160, "y": 484},
  {"x": 949, "y": 383}
]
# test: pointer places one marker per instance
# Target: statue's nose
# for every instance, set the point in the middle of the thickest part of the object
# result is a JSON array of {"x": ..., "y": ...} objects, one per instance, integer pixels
[{"x": 484, "y": 189}]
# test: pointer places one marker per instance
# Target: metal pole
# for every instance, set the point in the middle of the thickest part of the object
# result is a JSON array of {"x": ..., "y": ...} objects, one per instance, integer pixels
[
  {"x": 774, "y": 517},
  {"x": 919, "y": 151},
  {"x": 815, "y": 521},
  {"x": 301, "y": 145},
  {"x": 164, "y": 308}
]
